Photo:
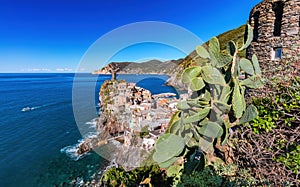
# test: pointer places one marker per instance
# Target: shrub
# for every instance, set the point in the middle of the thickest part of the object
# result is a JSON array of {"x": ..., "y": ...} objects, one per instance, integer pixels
[
  {"x": 269, "y": 145},
  {"x": 119, "y": 177}
]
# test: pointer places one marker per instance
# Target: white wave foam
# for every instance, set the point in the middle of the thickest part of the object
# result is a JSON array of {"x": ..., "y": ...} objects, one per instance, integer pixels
[
  {"x": 92, "y": 123},
  {"x": 90, "y": 135},
  {"x": 71, "y": 151}
]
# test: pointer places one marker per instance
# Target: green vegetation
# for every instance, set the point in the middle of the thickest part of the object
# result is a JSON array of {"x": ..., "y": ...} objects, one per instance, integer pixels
[
  {"x": 281, "y": 109},
  {"x": 218, "y": 176},
  {"x": 291, "y": 159},
  {"x": 196, "y": 149},
  {"x": 212, "y": 176},
  {"x": 217, "y": 104},
  {"x": 150, "y": 175},
  {"x": 105, "y": 90},
  {"x": 271, "y": 142},
  {"x": 235, "y": 35},
  {"x": 144, "y": 131},
  {"x": 277, "y": 108},
  {"x": 207, "y": 177},
  {"x": 148, "y": 67}
]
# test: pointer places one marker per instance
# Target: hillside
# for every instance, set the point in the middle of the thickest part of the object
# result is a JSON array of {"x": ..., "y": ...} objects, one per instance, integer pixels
[
  {"x": 236, "y": 35},
  {"x": 148, "y": 67},
  {"x": 174, "y": 68}
]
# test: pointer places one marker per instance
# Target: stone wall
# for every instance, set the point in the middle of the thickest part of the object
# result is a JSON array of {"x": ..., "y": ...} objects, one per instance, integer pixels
[{"x": 262, "y": 19}]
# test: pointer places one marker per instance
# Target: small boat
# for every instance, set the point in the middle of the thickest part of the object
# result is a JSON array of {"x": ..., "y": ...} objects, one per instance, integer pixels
[{"x": 26, "y": 109}]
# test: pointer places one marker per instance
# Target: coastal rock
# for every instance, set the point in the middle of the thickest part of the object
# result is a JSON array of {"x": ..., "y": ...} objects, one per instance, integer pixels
[
  {"x": 84, "y": 147},
  {"x": 128, "y": 115},
  {"x": 175, "y": 81}
]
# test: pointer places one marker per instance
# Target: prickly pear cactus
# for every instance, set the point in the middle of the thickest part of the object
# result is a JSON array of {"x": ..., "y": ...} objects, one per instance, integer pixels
[{"x": 217, "y": 104}]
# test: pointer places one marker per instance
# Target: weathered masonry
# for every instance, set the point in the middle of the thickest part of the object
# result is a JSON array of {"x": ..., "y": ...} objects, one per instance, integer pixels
[{"x": 276, "y": 28}]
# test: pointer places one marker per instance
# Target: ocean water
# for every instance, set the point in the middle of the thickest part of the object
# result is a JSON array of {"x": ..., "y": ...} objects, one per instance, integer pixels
[{"x": 38, "y": 132}]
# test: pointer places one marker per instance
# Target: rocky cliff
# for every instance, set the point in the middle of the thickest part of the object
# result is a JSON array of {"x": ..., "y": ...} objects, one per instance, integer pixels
[
  {"x": 108, "y": 123},
  {"x": 116, "y": 140}
]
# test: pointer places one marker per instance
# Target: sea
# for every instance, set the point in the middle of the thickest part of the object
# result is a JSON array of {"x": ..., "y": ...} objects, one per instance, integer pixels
[{"x": 38, "y": 130}]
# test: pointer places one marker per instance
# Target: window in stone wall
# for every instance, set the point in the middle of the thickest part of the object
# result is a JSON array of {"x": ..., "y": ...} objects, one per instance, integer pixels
[
  {"x": 256, "y": 24},
  {"x": 276, "y": 53},
  {"x": 278, "y": 9}
]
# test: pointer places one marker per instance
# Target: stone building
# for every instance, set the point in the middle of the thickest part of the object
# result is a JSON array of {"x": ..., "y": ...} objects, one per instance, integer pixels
[
  {"x": 276, "y": 41},
  {"x": 122, "y": 88}
]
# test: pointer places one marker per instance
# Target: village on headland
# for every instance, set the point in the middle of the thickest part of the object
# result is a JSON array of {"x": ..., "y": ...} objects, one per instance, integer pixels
[
  {"x": 128, "y": 113},
  {"x": 138, "y": 105}
]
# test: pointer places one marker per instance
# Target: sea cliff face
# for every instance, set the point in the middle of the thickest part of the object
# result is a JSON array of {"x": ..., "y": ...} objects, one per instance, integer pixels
[
  {"x": 130, "y": 122},
  {"x": 109, "y": 122}
]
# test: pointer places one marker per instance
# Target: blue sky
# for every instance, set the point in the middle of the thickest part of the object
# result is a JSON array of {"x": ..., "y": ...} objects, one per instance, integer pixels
[{"x": 53, "y": 35}]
